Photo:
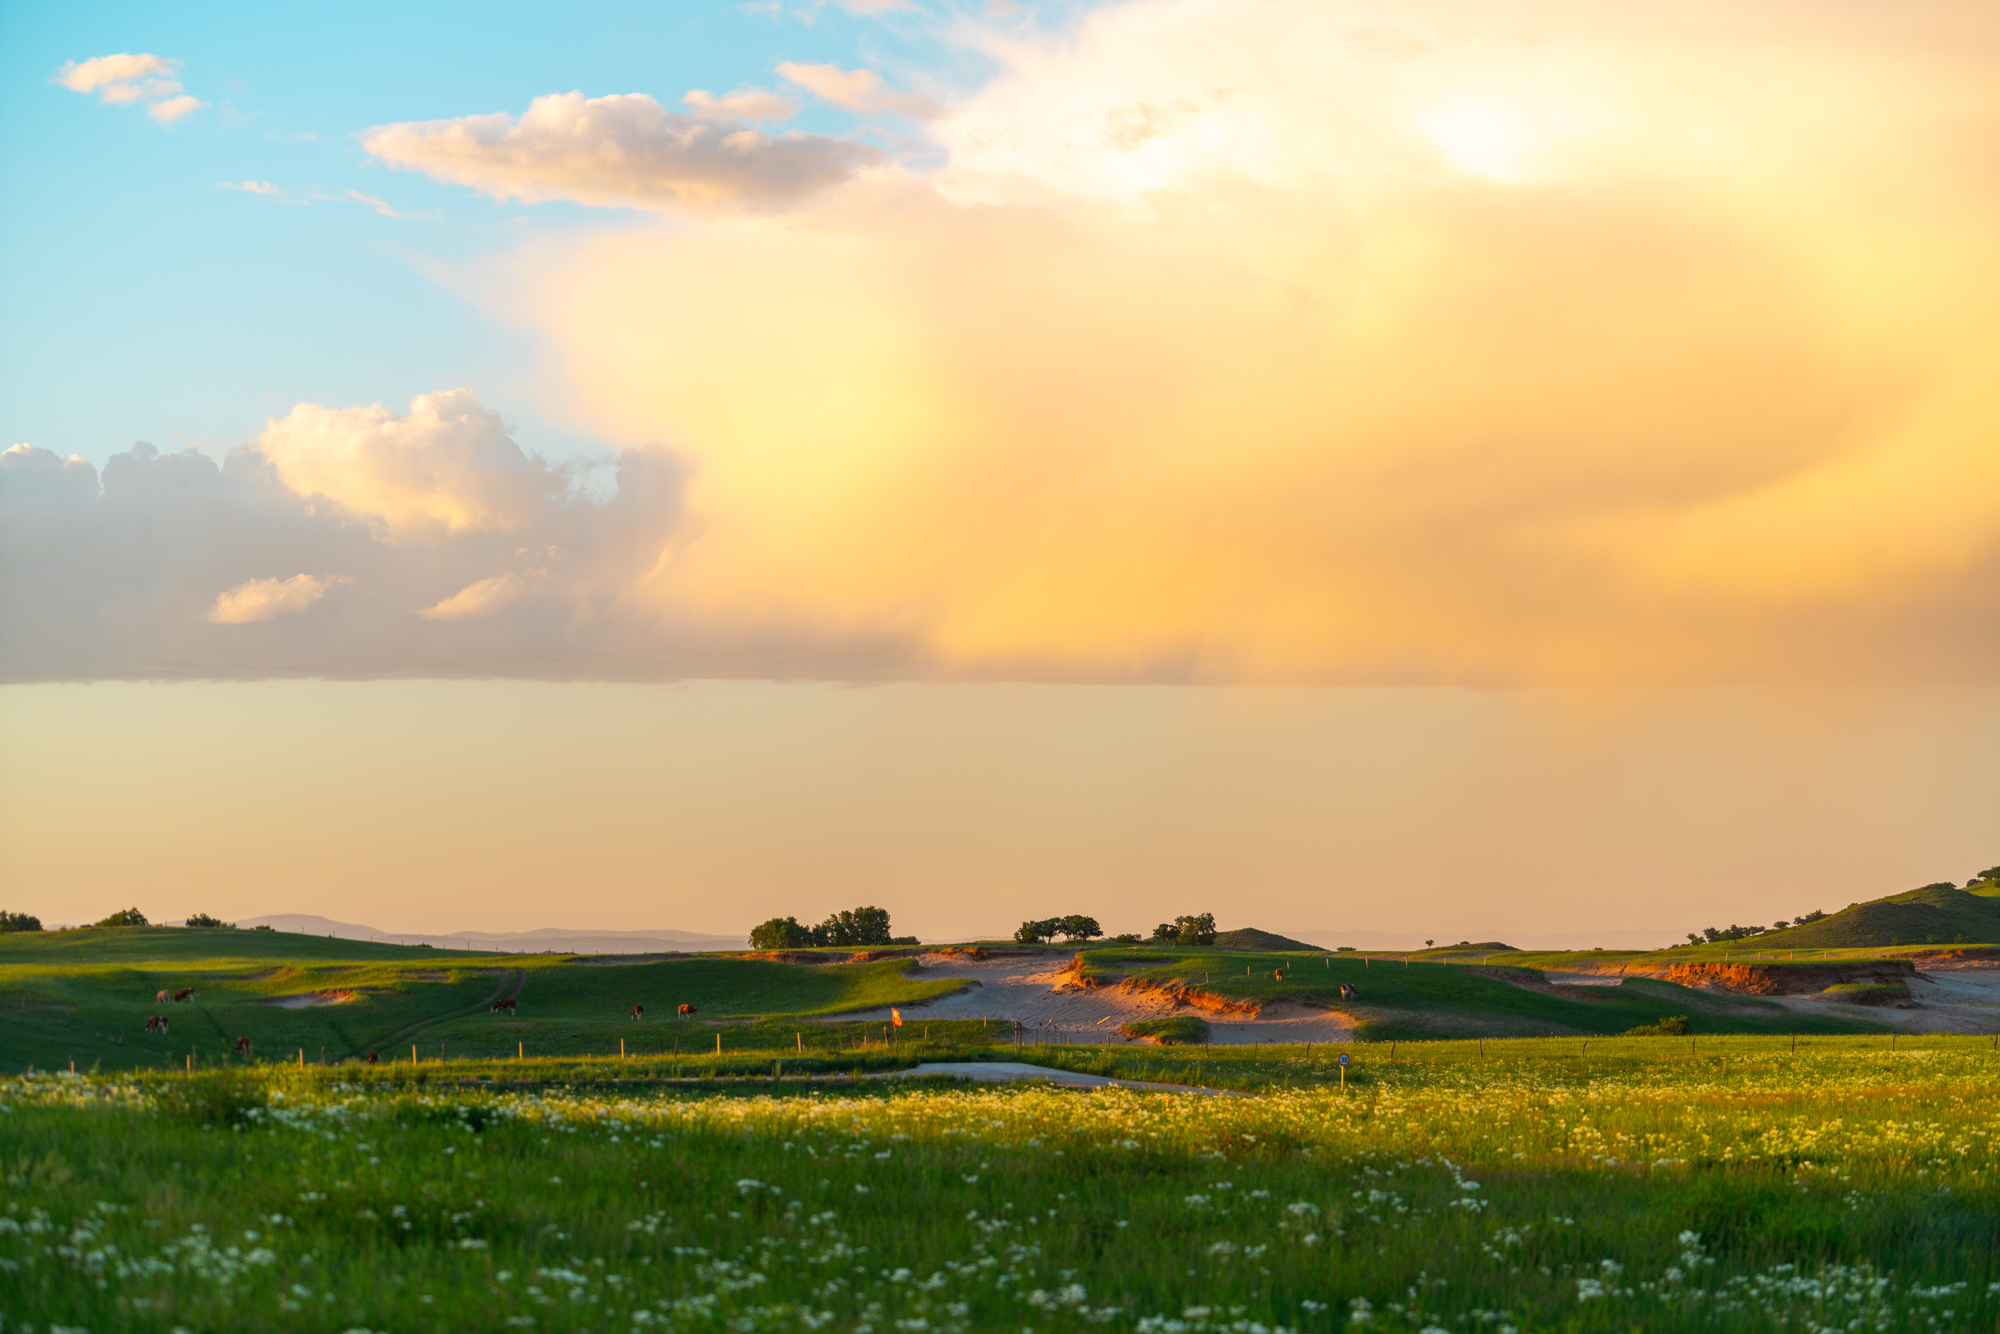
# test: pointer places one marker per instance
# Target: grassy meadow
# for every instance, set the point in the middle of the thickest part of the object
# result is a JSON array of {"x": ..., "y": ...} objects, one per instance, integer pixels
[{"x": 1504, "y": 1185}]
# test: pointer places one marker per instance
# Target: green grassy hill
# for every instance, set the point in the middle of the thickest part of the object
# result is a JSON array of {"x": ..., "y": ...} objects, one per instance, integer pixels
[
  {"x": 1250, "y": 938},
  {"x": 1934, "y": 915},
  {"x": 85, "y": 996},
  {"x": 1422, "y": 999}
]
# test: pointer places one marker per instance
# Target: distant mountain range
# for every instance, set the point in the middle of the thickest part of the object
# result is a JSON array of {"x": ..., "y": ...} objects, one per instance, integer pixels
[
  {"x": 1634, "y": 938},
  {"x": 547, "y": 939}
]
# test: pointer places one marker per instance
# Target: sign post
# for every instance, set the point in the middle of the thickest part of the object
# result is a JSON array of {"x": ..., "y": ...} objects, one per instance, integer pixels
[{"x": 1343, "y": 1072}]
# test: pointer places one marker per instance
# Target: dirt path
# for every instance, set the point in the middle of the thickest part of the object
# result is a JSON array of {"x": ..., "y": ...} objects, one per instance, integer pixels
[
  {"x": 1038, "y": 992},
  {"x": 1954, "y": 997}
]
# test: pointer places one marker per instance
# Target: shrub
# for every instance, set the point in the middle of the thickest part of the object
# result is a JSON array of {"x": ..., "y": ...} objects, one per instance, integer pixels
[
  {"x": 125, "y": 917},
  {"x": 1176, "y": 1030},
  {"x": 1128, "y": 938},
  {"x": 263, "y": 926},
  {"x": 780, "y": 933},
  {"x": 18, "y": 921},
  {"x": 1673, "y": 1026},
  {"x": 203, "y": 921},
  {"x": 1344, "y": 949}
]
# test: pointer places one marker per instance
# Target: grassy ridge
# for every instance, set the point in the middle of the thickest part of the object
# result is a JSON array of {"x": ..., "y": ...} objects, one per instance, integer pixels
[
  {"x": 94, "y": 1013},
  {"x": 1425, "y": 999}
]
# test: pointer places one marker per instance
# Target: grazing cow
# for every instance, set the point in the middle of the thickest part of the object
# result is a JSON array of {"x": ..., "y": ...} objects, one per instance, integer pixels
[
  {"x": 687, "y": 1011},
  {"x": 371, "y": 1058},
  {"x": 1278, "y": 973},
  {"x": 184, "y": 994},
  {"x": 156, "y": 1023},
  {"x": 243, "y": 1046},
  {"x": 164, "y": 997},
  {"x": 499, "y": 1005},
  {"x": 1348, "y": 992},
  {"x": 638, "y": 1012}
]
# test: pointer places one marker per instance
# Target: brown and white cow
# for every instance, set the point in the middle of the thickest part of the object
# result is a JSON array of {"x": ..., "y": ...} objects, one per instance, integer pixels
[
  {"x": 184, "y": 994},
  {"x": 164, "y": 997},
  {"x": 1348, "y": 992},
  {"x": 638, "y": 1012},
  {"x": 502, "y": 1005},
  {"x": 687, "y": 1011},
  {"x": 242, "y": 1046},
  {"x": 372, "y": 1058},
  {"x": 156, "y": 1023}
]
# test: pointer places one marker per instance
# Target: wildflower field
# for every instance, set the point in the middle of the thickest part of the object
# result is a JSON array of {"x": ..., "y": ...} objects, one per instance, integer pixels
[{"x": 1502, "y": 1186}]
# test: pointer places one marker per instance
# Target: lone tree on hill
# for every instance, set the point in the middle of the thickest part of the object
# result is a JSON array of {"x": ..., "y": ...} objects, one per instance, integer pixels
[
  {"x": 124, "y": 917},
  {"x": 18, "y": 921},
  {"x": 780, "y": 933}
]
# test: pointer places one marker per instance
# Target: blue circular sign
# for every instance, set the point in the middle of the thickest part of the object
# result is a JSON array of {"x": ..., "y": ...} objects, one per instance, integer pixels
[{"x": 1343, "y": 1058}]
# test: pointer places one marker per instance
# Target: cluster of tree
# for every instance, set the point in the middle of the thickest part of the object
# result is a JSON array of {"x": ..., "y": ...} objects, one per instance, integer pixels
[
  {"x": 124, "y": 917},
  {"x": 1195, "y": 930},
  {"x": 1715, "y": 935},
  {"x": 857, "y": 926},
  {"x": 1989, "y": 876},
  {"x": 18, "y": 921},
  {"x": 1073, "y": 927},
  {"x": 205, "y": 922}
]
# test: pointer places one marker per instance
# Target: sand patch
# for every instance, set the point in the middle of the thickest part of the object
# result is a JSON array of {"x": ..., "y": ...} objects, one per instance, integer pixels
[
  {"x": 306, "y": 1000},
  {"x": 1042, "y": 994}
]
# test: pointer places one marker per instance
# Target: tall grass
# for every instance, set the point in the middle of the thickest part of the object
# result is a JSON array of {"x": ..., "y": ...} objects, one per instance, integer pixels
[{"x": 1522, "y": 1187}]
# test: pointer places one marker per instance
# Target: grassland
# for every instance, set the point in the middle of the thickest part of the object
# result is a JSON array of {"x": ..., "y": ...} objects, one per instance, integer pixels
[
  {"x": 83, "y": 996},
  {"x": 1504, "y": 1186},
  {"x": 1426, "y": 998}
]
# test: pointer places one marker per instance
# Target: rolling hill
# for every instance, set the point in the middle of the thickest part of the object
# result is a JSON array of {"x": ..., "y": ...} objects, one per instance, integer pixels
[{"x": 1934, "y": 915}]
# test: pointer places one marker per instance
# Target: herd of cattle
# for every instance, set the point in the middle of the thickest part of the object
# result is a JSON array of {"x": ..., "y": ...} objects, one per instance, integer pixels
[{"x": 157, "y": 1023}]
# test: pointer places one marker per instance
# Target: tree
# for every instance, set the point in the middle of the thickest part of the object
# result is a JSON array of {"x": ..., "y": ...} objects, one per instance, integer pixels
[
  {"x": 1197, "y": 930},
  {"x": 18, "y": 921},
  {"x": 1078, "y": 927},
  {"x": 1429, "y": 943},
  {"x": 1128, "y": 938},
  {"x": 127, "y": 917},
  {"x": 1812, "y": 916},
  {"x": 1985, "y": 877},
  {"x": 1038, "y": 930},
  {"x": 858, "y": 926},
  {"x": 1166, "y": 931},
  {"x": 204, "y": 922},
  {"x": 1780, "y": 924},
  {"x": 780, "y": 933}
]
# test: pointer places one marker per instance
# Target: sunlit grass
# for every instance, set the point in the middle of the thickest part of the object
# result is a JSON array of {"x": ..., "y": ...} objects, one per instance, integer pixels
[{"x": 1523, "y": 1186}]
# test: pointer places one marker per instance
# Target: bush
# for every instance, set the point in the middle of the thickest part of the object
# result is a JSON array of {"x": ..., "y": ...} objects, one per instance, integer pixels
[
  {"x": 264, "y": 926},
  {"x": 126, "y": 917},
  {"x": 780, "y": 933},
  {"x": 18, "y": 921},
  {"x": 1177, "y": 1030},
  {"x": 1673, "y": 1026},
  {"x": 203, "y": 921},
  {"x": 1128, "y": 938}
]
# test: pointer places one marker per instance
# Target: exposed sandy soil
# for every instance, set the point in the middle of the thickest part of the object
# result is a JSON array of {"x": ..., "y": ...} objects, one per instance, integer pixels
[
  {"x": 1949, "y": 994},
  {"x": 307, "y": 999},
  {"x": 1041, "y": 995}
]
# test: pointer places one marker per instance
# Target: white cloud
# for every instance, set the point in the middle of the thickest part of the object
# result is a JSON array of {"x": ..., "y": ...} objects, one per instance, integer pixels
[
  {"x": 128, "y": 78},
  {"x": 859, "y": 90},
  {"x": 261, "y": 599},
  {"x": 174, "y": 108},
  {"x": 381, "y": 206},
  {"x": 479, "y": 599},
  {"x": 252, "y": 188},
  {"x": 621, "y": 151},
  {"x": 108, "y": 74},
  {"x": 743, "y": 104}
]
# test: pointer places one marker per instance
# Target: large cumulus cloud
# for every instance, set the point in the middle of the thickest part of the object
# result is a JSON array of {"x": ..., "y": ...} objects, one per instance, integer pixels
[{"x": 363, "y": 541}]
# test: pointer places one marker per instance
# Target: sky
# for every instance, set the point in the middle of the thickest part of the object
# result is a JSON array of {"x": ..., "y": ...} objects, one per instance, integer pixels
[{"x": 1444, "y": 468}]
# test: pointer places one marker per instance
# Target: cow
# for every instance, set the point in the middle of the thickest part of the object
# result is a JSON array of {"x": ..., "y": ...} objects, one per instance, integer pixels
[
  {"x": 184, "y": 994},
  {"x": 243, "y": 1046},
  {"x": 156, "y": 1023},
  {"x": 638, "y": 1012},
  {"x": 500, "y": 1005},
  {"x": 371, "y": 1058},
  {"x": 1348, "y": 992},
  {"x": 163, "y": 997},
  {"x": 687, "y": 1011},
  {"x": 1278, "y": 973}
]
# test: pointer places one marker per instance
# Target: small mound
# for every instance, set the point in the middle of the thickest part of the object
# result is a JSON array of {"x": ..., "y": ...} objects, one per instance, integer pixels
[
  {"x": 1867, "y": 993},
  {"x": 1174, "y": 1031},
  {"x": 1250, "y": 938},
  {"x": 1673, "y": 1026}
]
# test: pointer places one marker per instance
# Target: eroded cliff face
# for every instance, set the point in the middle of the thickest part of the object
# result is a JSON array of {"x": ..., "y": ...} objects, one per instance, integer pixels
[
  {"x": 1177, "y": 991},
  {"x": 1786, "y": 979}
]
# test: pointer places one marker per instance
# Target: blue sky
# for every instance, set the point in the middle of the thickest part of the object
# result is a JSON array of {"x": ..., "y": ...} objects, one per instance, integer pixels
[{"x": 146, "y": 303}]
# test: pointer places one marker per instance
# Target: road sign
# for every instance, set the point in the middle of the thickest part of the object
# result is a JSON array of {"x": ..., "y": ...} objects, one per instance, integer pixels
[{"x": 1343, "y": 1060}]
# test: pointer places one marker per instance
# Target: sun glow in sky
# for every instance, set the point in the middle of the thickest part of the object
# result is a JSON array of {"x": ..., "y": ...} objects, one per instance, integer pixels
[{"x": 1031, "y": 358}]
